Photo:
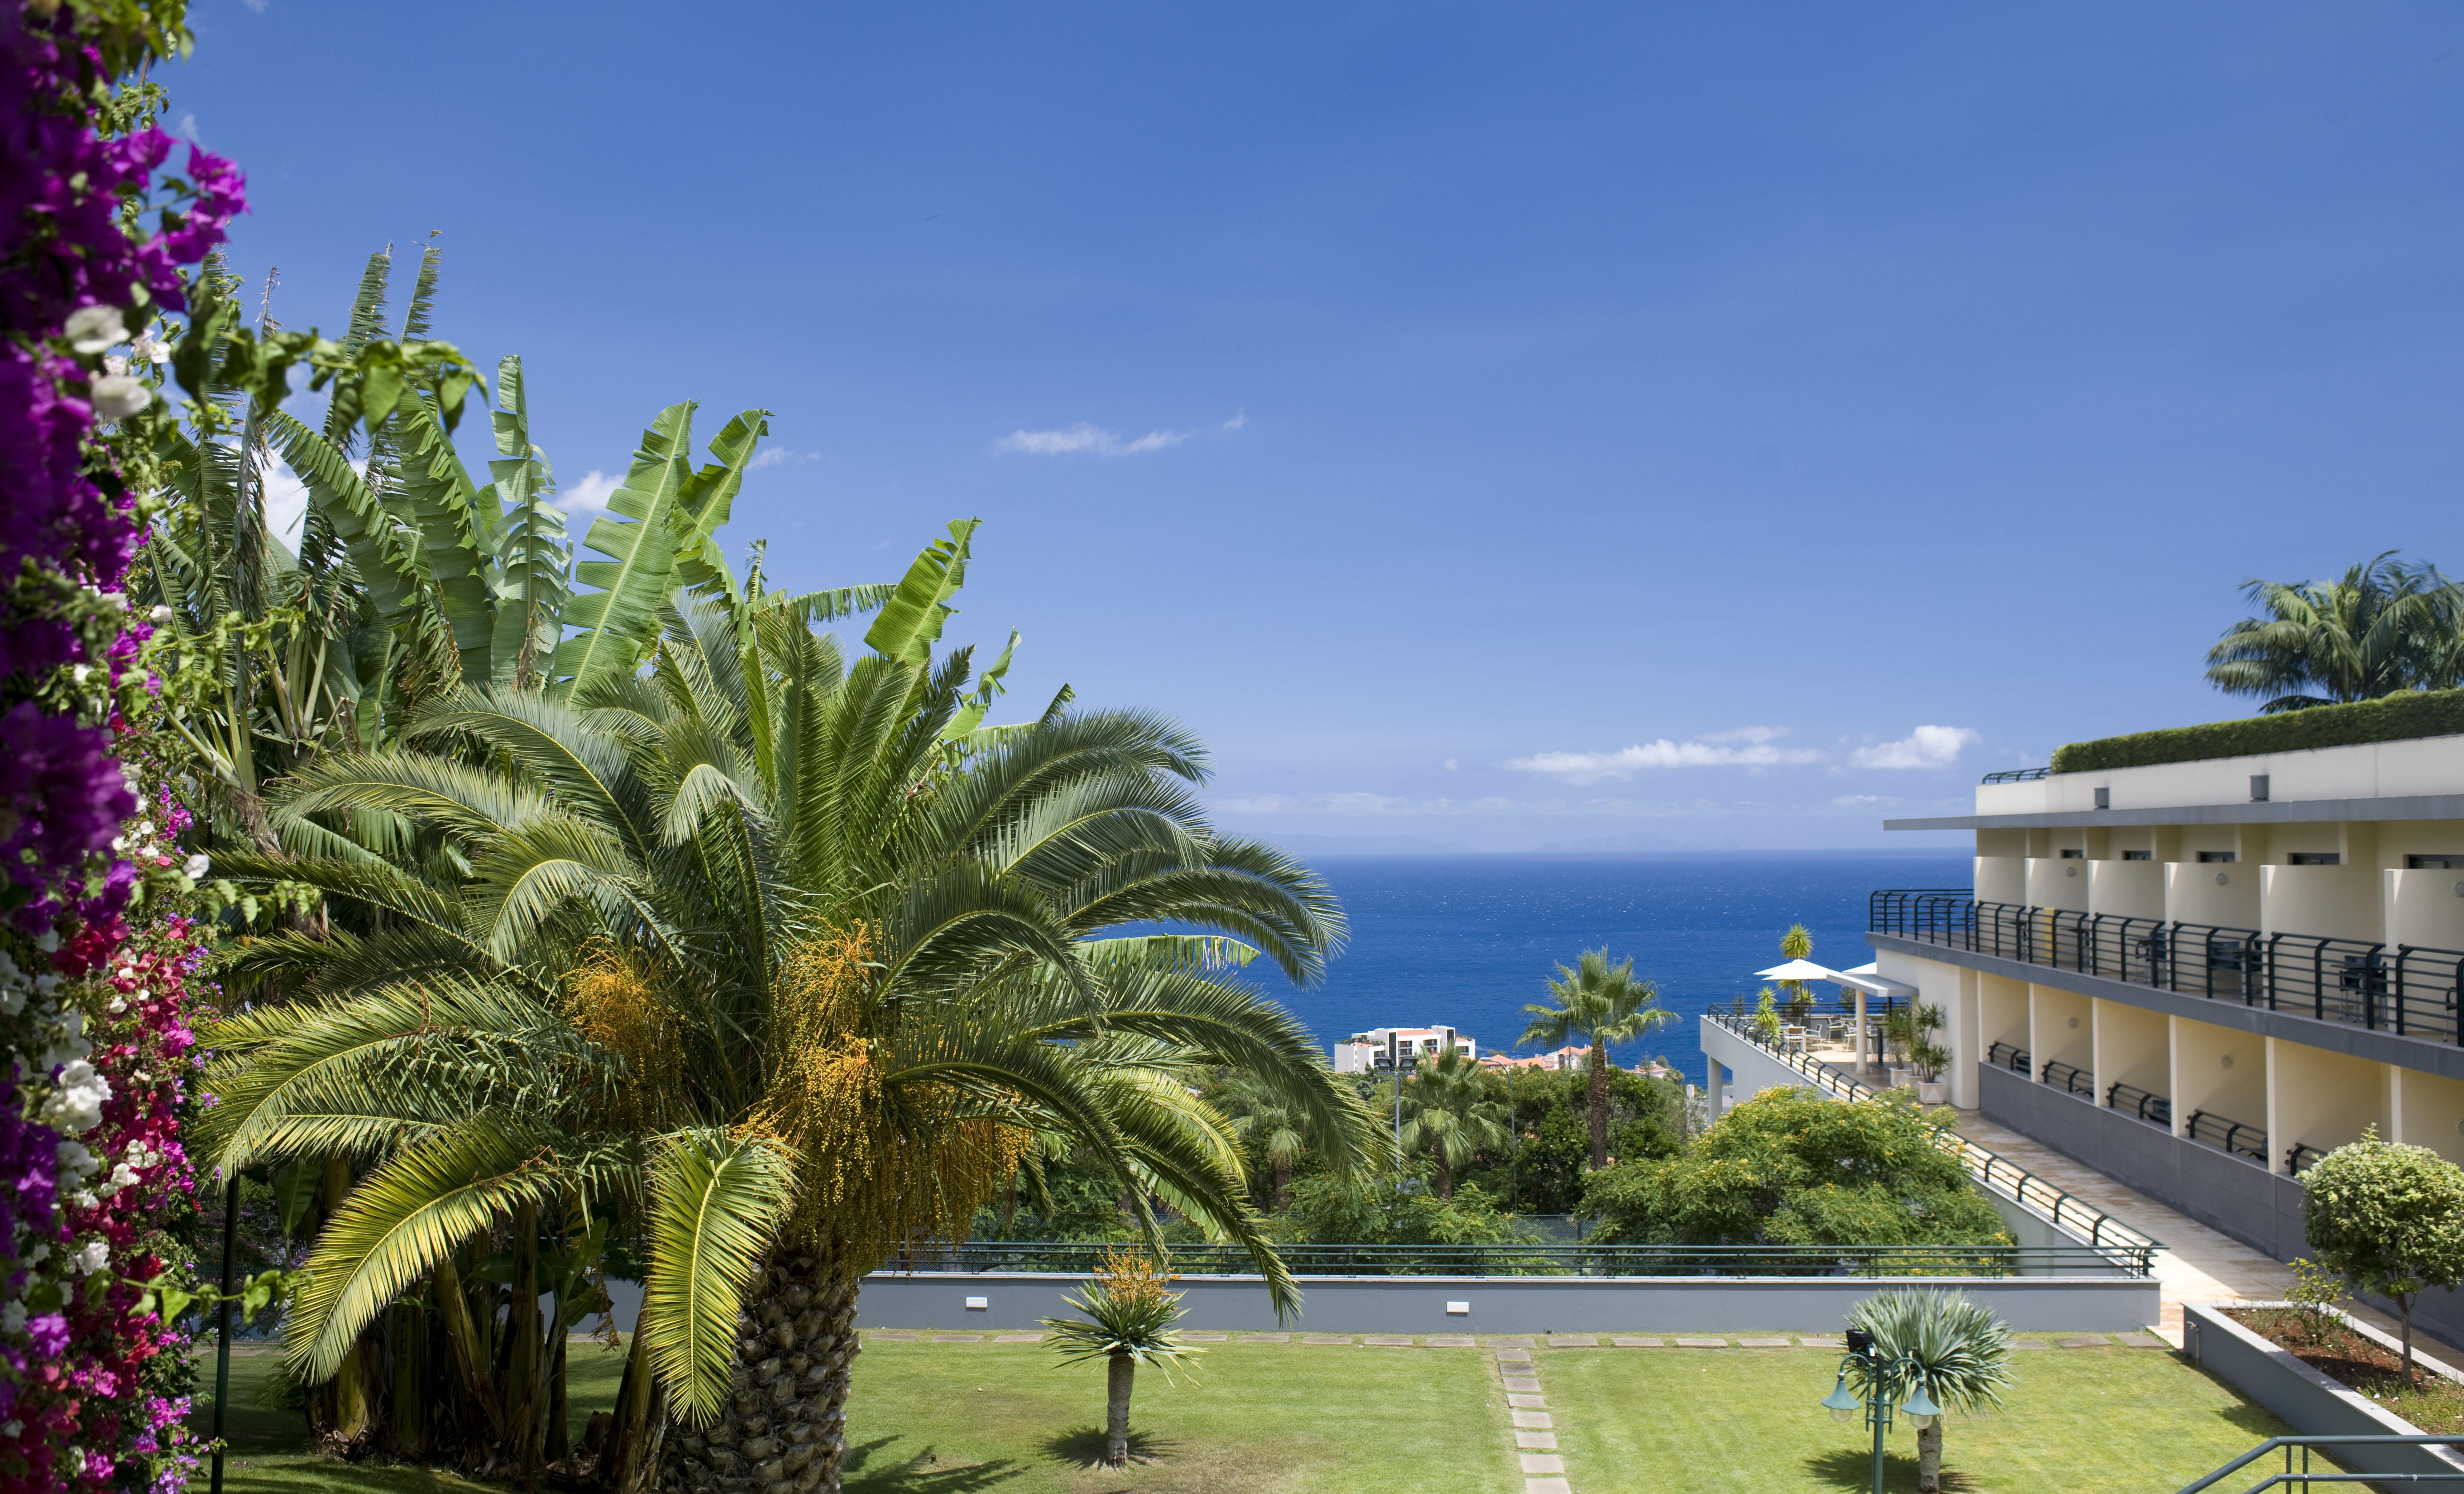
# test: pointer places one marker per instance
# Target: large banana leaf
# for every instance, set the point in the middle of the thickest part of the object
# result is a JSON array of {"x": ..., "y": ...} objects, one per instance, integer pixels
[
  {"x": 701, "y": 566},
  {"x": 383, "y": 549},
  {"x": 911, "y": 621},
  {"x": 638, "y": 535},
  {"x": 456, "y": 530},
  {"x": 529, "y": 579}
]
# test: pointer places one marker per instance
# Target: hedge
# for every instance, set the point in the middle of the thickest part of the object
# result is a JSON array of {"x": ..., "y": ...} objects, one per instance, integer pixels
[{"x": 2391, "y": 718}]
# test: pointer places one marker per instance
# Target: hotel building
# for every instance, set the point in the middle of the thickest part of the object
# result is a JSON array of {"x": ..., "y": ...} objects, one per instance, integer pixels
[
  {"x": 2200, "y": 975},
  {"x": 1383, "y": 1048}
]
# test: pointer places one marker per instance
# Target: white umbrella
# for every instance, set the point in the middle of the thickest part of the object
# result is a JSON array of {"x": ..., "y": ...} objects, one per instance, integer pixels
[{"x": 1798, "y": 970}]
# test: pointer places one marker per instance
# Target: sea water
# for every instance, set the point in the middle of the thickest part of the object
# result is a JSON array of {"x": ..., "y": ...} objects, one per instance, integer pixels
[{"x": 1468, "y": 941}]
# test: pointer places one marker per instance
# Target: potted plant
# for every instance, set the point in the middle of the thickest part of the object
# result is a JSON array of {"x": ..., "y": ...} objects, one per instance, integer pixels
[{"x": 1931, "y": 1058}]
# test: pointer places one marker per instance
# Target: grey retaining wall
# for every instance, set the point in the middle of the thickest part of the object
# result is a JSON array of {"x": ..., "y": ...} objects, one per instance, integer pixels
[
  {"x": 1513, "y": 1303},
  {"x": 2233, "y": 1196},
  {"x": 2306, "y": 1400}
]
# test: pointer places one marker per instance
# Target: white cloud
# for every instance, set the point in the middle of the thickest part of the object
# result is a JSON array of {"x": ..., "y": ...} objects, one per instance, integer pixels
[
  {"x": 1747, "y": 747},
  {"x": 780, "y": 456},
  {"x": 189, "y": 127},
  {"x": 590, "y": 494},
  {"x": 1454, "y": 765},
  {"x": 286, "y": 503},
  {"x": 1084, "y": 439},
  {"x": 1856, "y": 801},
  {"x": 1926, "y": 747},
  {"x": 258, "y": 6}
]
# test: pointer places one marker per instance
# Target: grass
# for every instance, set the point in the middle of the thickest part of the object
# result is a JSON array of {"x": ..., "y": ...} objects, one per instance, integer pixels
[
  {"x": 1746, "y": 1421},
  {"x": 950, "y": 1418}
]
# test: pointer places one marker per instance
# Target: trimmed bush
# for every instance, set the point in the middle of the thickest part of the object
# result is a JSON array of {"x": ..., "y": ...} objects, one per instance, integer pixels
[{"x": 2391, "y": 718}]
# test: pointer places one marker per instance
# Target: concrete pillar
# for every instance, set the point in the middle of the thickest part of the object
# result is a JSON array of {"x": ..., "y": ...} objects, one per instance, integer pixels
[{"x": 2002, "y": 1012}]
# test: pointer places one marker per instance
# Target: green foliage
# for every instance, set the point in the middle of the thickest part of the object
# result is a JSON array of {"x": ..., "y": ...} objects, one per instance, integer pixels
[
  {"x": 1129, "y": 1315},
  {"x": 2434, "y": 713},
  {"x": 1448, "y": 1116},
  {"x": 2388, "y": 1218},
  {"x": 1338, "y": 1211},
  {"x": 1791, "y": 1168},
  {"x": 1959, "y": 1350},
  {"x": 1597, "y": 1000},
  {"x": 2387, "y": 626},
  {"x": 1766, "y": 1022},
  {"x": 2313, "y": 1294}
]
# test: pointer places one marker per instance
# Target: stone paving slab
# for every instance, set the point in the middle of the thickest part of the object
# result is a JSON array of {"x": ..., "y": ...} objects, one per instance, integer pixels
[
  {"x": 1511, "y": 1354},
  {"x": 1533, "y": 1418},
  {"x": 1450, "y": 1340},
  {"x": 2028, "y": 1343},
  {"x": 1388, "y": 1340},
  {"x": 1328, "y": 1338},
  {"x": 1522, "y": 1384},
  {"x": 1543, "y": 1463},
  {"x": 2141, "y": 1341},
  {"x": 1547, "y": 1486},
  {"x": 1206, "y": 1338},
  {"x": 1701, "y": 1343},
  {"x": 1526, "y": 1401},
  {"x": 1766, "y": 1342},
  {"x": 1546, "y": 1442},
  {"x": 1574, "y": 1341},
  {"x": 1637, "y": 1342},
  {"x": 2096, "y": 1341},
  {"x": 955, "y": 1338},
  {"x": 1263, "y": 1338}
]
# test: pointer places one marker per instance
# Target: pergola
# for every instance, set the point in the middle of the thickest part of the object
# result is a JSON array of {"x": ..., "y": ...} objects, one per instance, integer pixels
[{"x": 1862, "y": 981}]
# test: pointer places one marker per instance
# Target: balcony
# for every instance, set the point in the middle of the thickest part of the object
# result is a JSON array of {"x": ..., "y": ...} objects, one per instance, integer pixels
[{"x": 2409, "y": 990}]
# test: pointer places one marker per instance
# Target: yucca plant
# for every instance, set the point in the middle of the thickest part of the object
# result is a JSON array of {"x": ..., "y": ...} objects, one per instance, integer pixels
[
  {"x": 1957, "y": 1350},
  {"x": 1129, "y": 1313}
]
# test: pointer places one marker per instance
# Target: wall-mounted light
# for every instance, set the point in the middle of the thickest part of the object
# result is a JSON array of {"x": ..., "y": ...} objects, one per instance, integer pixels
[
  {"x": 2225, "y": 1061},
  {"x": 2222, "y": 879},
  {"x": 2074, "y": 1022}
]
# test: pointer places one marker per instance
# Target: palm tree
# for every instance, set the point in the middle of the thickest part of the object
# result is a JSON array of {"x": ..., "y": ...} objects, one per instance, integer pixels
[
  {"x": 2387, "y": 626},
  {"x": 1797, "y": 943},
  {"x": 1606, "y": 1003},
  {"x": 1129, "y": 1322},
  {"x": 786, "y": 959},
  {"x": 1262, "y": 1116},
  {"x": 1957, "y": 1350},
  {"x": 1447, "y": 1113}
]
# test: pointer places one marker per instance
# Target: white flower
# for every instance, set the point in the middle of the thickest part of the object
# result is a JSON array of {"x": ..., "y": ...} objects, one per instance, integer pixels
[
  {"x": 197, "y": 865},
  {"x": 84, "y": 1201},
  {"x": 151, "y": 348},
  {"x": 117, "y": 396},
  {"x": 13, "y": 1319},
  {"x": 159, "y": 615},
  {"x": 48, "y": 940},
  {"x": 12, "y": 1427},
  {"x": 123, "y": 1176},
  {"x": 91, "y": 329},
  {"x": 76, "y": 1160},
  {"x": 115, "y": 1006},
  {"x": 115, "y": 364},
  {"x": 145, "y": 828},
  {"x": 81, "y": 672},
  {"x": 77, "y": 1105},
  {"x": 39, "y": 1255},
  {"x": 125, "y": 972}
]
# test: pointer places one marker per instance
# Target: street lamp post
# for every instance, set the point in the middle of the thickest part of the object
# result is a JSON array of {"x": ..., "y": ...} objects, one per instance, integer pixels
[{"x": 1880, "y": 1376}]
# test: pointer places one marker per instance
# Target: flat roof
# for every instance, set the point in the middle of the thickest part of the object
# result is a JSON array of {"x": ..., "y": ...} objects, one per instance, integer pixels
[{"x": 2278, "y": 811}]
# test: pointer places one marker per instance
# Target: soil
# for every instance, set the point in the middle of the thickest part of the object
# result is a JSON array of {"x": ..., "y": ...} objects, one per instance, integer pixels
[{"x": 2435, "y": 1404}]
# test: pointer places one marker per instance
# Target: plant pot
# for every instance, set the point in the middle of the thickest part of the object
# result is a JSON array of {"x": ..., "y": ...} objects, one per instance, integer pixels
[
  {"x": 1899, "y": 1076},
  {"x": 1934, "y": 1091}
]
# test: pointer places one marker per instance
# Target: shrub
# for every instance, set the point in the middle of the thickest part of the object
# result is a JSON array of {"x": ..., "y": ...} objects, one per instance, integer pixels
[
  {"x": 2388, "y": 1218},
  {"x": 2391, "y": 718}
]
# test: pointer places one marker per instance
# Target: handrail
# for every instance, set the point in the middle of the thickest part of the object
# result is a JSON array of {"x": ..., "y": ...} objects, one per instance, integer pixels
[
  {"x": 1997, "y": 1173},
  {"x": 2240, "y": 1138},
  {"x": 2286, "y": 1446},
  {"x": 2410, "y": 990},
  {"x": 2073, "y": 1078},
  {"x": 2002, "y": 1055},
  {"x": 1525, "y": 1259},
  {"x": 2146, "y": 1104},
  {"x": 2019, "y": 775}
]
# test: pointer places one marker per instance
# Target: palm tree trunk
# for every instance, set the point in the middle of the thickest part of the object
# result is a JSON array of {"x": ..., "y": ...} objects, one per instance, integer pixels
[
  {"x": 1599, "y": 1089},
  {"x": 785, "y": 1429},
  {"x": 1117, "y": 1377},
  {"x": 1283, "y": 1182},
  {"x": 1929, "y": 1459},
  {"x": 1445, "y": 1177}
]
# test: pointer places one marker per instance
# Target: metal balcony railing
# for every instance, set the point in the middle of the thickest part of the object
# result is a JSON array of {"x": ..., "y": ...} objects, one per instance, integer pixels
[
  {"x": 2072, "y": 1079},
  {"x": 2129, "y": 1247},
  {"x": 2225, "y": 1134},
  {"x": 2131, "y": 1100},
  {"x": 2002, "y": 1055},
  {"x": 2410, "y": 990},
  {"x": 2019, "y": 775},
  {"x": 2298, "y": 1160}
]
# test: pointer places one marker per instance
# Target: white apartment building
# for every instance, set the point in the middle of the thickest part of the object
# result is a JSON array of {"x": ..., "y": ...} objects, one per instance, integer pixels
[
  {"x": 2199, "y": 977},
  {"x": 1382, "y": 1047}
]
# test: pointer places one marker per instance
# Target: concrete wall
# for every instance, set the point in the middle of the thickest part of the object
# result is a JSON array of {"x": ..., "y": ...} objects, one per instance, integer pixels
[
  {"x": 2133, "y": 1046},
  {"x": 1751, "y": 1069},
  {"x": 2423, "y": 906},
  {"x": 2058, "y": 882},
  {"x": 2322, "y": 1099},
  {"x": 2223, "y": 896},
  {"x": 2126, "y": 888},
  {"x": 2336, "y": 902},
  {"x": 2428, "y": 1112},
  {"x": 1510, "y": 1305},
  {"x": 2306, "y": 1400},
  {"x": 2001, "y": 879},
  {"x": 2060, "y": 1026},
  {"x": 2219, "y": 1070},
  {"x": 2423, "y": 765}
]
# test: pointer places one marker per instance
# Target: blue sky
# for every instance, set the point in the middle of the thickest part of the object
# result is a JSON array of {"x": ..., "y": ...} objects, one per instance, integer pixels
[{"x": 1490, "y": 427}]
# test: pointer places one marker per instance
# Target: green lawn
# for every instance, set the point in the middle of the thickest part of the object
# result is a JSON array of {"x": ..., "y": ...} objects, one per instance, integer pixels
[
  {"x": 1745, "y": 1421},
  {"x": 945, "y": 1417}
]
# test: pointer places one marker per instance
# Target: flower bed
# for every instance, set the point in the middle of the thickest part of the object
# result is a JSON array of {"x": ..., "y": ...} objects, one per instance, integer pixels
[{"x": 2332, "y": 1346}]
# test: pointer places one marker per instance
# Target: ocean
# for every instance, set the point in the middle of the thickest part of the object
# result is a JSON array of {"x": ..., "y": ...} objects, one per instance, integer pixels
[{"x": 1470, "y": 940}]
